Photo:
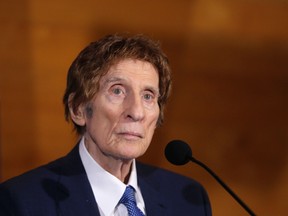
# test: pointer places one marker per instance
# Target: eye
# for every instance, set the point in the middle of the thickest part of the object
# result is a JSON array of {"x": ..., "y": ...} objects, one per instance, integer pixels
[
  {"x": 149, "y": 96},
  {"x": 117, "y": 90}
]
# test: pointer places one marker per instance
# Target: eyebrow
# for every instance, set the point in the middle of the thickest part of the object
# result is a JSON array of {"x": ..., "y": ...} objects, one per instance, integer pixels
[
  {"x": 106, "y": 82},
  {"x": 116, "y": 79},
  {"x": 112, "y": 79}
]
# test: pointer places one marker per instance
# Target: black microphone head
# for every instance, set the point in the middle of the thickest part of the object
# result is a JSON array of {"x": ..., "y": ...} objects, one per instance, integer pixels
[{"x": 178, "y": 152}]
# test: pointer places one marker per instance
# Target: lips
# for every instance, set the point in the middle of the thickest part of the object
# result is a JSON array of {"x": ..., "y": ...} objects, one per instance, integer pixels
[{"x": 131, "y": 134}]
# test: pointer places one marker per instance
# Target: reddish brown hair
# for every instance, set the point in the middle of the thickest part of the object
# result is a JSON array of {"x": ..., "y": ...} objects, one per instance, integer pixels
[{"x": 96, "y": 59}]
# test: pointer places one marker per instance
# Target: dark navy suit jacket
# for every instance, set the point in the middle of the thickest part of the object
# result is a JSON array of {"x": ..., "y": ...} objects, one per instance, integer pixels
[{"x": 62, "y": 188}]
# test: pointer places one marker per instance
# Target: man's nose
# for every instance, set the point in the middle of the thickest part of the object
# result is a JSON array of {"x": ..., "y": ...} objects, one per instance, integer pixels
[{"x": 135, "y": 108}]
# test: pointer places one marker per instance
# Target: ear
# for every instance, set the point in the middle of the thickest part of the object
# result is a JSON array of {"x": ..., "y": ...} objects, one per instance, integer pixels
[{"x": 77, "y": 115}]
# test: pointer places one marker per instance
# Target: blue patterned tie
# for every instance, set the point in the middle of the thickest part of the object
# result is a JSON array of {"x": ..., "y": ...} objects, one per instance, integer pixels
[{"x": 128, "y": 199}]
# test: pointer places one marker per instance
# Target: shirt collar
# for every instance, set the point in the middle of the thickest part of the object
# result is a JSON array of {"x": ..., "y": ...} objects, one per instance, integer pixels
[{"x": 107, "y": 188}]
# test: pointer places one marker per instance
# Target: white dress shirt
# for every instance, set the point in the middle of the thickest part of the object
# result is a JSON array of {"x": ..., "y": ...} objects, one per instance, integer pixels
[{"x": 108, "y": 189}]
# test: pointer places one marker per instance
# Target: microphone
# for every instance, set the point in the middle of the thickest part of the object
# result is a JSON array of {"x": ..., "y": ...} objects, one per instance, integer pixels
[{"x": 178, "y": 152}]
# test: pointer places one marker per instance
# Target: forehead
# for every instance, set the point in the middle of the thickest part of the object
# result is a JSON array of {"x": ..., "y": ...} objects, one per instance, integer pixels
[{"x": 132, "y": 70}]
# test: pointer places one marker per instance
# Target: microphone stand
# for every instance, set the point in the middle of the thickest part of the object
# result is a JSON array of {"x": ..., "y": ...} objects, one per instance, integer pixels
[{"x": 223, "y": 185}]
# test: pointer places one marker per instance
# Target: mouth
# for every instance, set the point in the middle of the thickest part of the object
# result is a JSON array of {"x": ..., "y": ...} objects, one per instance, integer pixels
[{"x": 131, "y": 135}]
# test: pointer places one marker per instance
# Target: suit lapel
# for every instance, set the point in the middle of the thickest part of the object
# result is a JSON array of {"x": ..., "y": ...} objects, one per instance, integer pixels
[
  {"x": 154, "y": 203},
  {"x": 74, "y": 194},
  {"x": 154, "y": 200}
]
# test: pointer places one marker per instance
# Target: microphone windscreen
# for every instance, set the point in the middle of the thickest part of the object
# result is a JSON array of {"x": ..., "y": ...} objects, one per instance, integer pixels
[{"x": 178, "y": 152}]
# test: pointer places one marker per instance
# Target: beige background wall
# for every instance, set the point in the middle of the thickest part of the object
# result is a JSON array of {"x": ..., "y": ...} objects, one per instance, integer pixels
[{"x": 229, "y": 101}]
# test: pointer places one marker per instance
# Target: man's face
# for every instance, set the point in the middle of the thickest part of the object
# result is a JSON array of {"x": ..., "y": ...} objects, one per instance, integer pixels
[{"x": 121, "y": 118}]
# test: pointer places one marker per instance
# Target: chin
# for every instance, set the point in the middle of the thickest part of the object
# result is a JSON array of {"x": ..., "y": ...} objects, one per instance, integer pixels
[
  {"x": 131, "y": 155},
  {"x": 131, "y": 150}
]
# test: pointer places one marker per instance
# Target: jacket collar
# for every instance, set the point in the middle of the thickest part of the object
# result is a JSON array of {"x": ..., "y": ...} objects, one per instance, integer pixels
[
  {"x": 73, "y": 194},
  {"x": 154, "y": 201}
]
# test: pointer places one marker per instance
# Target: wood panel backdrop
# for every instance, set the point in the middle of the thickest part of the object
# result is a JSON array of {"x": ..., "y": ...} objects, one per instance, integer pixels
[{"x": 229, "y": 100}]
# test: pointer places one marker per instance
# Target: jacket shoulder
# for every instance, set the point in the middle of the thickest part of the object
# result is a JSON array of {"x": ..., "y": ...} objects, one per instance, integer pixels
[
  {"x": 150, "y": 172},
  {"x": 182, "y": 195}
]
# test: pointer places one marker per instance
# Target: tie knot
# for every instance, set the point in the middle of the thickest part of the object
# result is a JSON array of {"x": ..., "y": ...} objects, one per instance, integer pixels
[
  {"x": 128, "y": 199},
  {"x": 128, "y": 195}
]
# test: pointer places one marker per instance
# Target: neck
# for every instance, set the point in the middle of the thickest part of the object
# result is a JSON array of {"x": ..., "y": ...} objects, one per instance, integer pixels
[{"x": 120, "y": 168}]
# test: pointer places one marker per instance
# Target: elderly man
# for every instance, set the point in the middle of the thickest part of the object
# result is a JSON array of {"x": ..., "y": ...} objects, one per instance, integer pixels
[{"x": 116, "y": 91}]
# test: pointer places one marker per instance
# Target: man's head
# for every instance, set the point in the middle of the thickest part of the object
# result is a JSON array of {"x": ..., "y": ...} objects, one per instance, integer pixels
[{"x": 95, "y": 60}]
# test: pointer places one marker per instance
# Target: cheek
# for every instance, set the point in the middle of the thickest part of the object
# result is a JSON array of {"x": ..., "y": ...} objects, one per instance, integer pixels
[
  {"x": 110, "y": 115},
  {"x": 156, "y": 114},
  {"x": 152, "y": 124},
  {"x": 104, "y": 119}
]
